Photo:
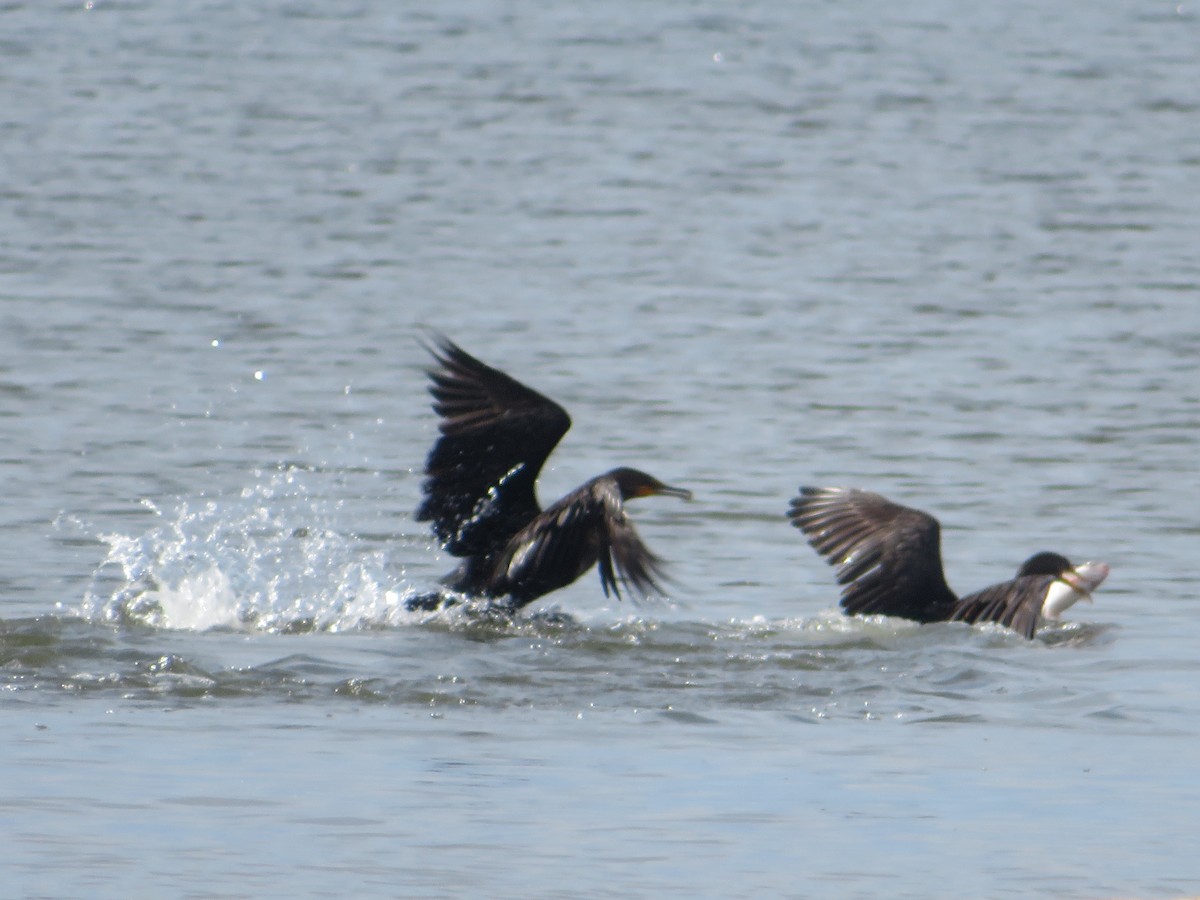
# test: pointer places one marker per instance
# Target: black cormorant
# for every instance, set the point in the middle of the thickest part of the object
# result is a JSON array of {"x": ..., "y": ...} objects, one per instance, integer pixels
[
  {"x": 889, "y": 561},
  {"x": 479, "y": 493}
]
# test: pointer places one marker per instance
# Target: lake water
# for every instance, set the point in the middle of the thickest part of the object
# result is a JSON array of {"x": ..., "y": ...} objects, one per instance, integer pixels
[{"x": 944, "y": 253}]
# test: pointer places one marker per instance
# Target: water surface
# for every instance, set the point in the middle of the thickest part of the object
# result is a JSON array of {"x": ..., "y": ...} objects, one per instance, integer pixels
[{"x": 944, "y": 254}]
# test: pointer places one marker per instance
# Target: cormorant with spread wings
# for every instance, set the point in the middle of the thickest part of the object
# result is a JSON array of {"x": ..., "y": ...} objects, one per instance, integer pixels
[
  {"x": 889, "y": 562},
  {"x": 479, "y": 493}
]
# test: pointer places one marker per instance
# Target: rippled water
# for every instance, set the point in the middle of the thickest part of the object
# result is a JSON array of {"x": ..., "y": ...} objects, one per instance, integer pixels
[{"x": 943, "y": 253}]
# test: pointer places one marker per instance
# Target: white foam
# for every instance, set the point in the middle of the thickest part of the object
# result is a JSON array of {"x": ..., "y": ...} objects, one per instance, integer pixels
[{"x": 269, "y": 558}]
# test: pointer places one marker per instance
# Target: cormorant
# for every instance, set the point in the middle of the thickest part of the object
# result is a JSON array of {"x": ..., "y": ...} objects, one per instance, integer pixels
[
  {"x": 889, "y": 561},
  {"x": 479, "y": 493}
]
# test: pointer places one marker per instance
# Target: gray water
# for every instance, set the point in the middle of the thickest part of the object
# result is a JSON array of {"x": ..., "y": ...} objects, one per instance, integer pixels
[{"x": 942, "y": 252}]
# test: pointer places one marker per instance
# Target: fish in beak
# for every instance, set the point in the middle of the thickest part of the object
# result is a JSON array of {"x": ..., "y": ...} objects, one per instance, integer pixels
[
  {"x": 1085, "y": 578},
  {"x": 1073, "y": 585}
]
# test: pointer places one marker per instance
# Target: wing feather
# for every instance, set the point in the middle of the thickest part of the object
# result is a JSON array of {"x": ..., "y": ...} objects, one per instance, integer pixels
[
  {"x": 587, "y": 527},
  {"x": 496, "y": 434},
  {"x": 1015, "y": 604},
  {"x": 888, "y": 557}
]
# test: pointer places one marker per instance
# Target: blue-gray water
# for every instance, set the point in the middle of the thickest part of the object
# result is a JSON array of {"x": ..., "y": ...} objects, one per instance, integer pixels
[{"x": 943, "y": 252}]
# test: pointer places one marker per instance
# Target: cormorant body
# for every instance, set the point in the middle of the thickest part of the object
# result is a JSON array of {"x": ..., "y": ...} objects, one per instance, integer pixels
[
  {"x": 479, "y": 494},
  {"x": 889, "y": 562}
]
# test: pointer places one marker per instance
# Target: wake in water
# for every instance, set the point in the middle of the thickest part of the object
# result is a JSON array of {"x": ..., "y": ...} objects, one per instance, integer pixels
[{"x": 272, "y": 559}]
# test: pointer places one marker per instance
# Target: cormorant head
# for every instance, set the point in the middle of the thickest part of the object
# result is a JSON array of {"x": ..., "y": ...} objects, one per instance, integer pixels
[
  {"x": 634, "y": 483},
  {"x": 1083, "y": 579},
  {"x": 1044, "y": 563}
]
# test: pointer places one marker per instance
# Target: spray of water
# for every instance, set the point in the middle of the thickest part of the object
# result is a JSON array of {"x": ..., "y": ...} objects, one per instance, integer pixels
[{"x": 268, "y": 559}]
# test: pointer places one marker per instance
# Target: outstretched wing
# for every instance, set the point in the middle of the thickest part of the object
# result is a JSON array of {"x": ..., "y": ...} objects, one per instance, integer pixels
[
  {"x": 1015, "y": 604},
  {"x": 495, "y": 436},
  {"x": 588, "y": 526},
  {"x": 888, "y": 557}
]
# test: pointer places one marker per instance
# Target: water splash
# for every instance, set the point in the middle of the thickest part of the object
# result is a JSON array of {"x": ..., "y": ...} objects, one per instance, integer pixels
[{"x": 270, "y": 559}]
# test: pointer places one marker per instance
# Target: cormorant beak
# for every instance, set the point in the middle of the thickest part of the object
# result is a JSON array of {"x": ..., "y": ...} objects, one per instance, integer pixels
[
  {"x": 669, "y": 491},
  {"x": 1085, "y": 578}
]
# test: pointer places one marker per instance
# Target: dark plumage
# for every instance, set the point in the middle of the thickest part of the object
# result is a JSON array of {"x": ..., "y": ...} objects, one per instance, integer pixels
[
  {"x": 479, "y": 493},
  {"x": 889, "y": 562}
]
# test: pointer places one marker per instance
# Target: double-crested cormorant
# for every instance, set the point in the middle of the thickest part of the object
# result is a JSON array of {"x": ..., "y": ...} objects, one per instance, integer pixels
[
  {"x": 889, "y": 561},
  {"x": 496, "y": 433}
]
